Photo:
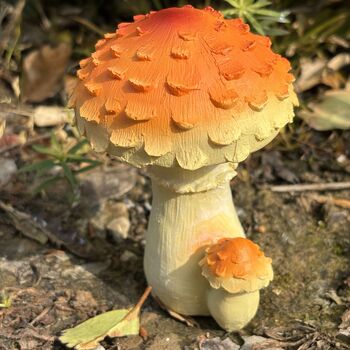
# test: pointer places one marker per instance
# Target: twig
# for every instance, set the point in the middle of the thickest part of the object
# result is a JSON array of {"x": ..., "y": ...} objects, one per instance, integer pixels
[
  {"x": 340, "y": 202},
  {"x": 88, "y": 24},
  {"x": 136, "y": 309},
  {"x": 29, "y": 227},
  {"x": 41, "y": 315},
  {"x": 330, "y": 186},
  {"x": 27, "y": 143},
  {"x": 11, "y": 25},
  {"x": 185, "y": 319}
]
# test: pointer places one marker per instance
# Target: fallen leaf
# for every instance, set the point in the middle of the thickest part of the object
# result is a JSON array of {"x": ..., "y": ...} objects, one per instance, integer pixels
[
  {"x": 27, "y": 225},
  {"x": 115, "y": 323},
  {"x": 51, "y": 115},
  {"x": 43, "y": 70},
  {"x": 311, "y": 74},
  {"x": 88, "y": 334},
  {"x": 332, "y": 112},
  {"x": 319, "y": 71}
]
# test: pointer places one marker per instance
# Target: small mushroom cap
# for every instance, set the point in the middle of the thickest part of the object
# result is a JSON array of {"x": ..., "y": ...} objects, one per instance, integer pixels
[
  {"x": 183, "y": 86},
  {"x": 237, "y": 265}
]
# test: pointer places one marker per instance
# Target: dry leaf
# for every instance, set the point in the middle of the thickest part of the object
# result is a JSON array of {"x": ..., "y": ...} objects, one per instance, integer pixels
[
  {"x": 115, "y": 323},
  {"x": 43, "y": 70},
  {"x": 319, "y": 71},
  {"x": 25, "y": 224},
  {"x": 331, "y": 113},
  {"x": 311, "y": 74}
]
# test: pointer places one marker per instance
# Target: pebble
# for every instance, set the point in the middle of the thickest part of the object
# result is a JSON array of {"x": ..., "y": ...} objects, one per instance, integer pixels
[
  {"x": 218, "y": 344},
  {"x": 113, "y": 216},
  {"x": 119, "y": 227},
  {"x": 8, "y": 169}
]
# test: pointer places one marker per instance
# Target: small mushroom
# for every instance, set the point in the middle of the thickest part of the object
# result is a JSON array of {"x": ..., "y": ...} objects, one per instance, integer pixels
[
  {"x": 189, "y": 95},
  {"x": 236, "y": 269}
]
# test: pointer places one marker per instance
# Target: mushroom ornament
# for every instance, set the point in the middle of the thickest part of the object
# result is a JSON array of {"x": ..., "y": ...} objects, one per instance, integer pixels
[
  {"x": 236, "y": 269},
  {"x": 189, "y": 95}
]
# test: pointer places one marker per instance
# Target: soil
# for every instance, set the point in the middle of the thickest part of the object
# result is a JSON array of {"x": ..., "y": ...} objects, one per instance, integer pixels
[{"x": 87, "y": 270}]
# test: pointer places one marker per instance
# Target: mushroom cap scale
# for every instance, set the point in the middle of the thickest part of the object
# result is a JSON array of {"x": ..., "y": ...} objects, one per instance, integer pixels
[
  {"x": 237, "y": 265},
  {"x": 183, "y": 86}
]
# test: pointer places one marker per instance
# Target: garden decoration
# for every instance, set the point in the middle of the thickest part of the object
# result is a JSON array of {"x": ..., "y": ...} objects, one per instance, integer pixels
[
  {"x": 236, "y": 269},
  {"x": 189, "y": 95}
]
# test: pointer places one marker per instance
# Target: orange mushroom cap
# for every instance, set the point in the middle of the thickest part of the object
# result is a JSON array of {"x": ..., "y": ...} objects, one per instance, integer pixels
[
  {"x": 184, "y": 86},
  {"x": 236, "y": 264}
]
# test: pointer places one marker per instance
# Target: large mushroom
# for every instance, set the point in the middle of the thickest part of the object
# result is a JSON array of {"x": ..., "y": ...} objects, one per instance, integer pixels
[{"x": 189, "y": 95}]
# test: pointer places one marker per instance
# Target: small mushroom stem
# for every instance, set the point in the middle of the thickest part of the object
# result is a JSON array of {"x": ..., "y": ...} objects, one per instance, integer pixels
[
  {"x": 232, "y": 311},
  {"x": 190, "y": 210}
]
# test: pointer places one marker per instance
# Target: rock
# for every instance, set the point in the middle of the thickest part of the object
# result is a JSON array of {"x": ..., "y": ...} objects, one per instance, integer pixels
[
  {"x": 335, "y": 217},
  {"x": 8, "y": 168},
  {"x": 119, "y": 227},
  {"x": 45, "y": 116},
  {"x": 249, "y": 342},
  {"x": 112, "y": 182},
  {"x": 128, "y": 256},
  {"x": 218, "y": 344},
  {"x": 113, "y": 216}
]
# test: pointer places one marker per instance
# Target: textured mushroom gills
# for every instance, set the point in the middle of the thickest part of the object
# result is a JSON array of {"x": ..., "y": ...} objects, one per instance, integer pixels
[{"x": 183, "y": 84}]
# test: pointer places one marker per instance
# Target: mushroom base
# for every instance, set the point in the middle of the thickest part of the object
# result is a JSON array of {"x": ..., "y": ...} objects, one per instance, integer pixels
[
  {"x": 190, "y": 210},
  {"x": 232, "y": 311}
]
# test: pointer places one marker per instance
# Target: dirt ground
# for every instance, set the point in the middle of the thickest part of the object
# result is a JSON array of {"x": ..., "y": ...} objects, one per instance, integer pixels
[{"x": 87, "y": 267}]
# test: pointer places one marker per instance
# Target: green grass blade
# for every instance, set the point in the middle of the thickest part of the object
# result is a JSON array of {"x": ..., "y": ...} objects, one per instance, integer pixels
[
  {"x": 260, "y": 4},
  {"x": 78, "y": 146},
  {"x": 38, "y": 166},
  {"x": 86, "y": 168},
  {"x": 46, "y": 150},
  {"x": 255, "y": 24},
  {"x": 46, "y": 183},
  {"x": 69, "y": 175}
]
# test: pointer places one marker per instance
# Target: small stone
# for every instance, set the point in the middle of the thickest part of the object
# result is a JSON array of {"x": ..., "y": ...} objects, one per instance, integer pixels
[
  {"x": 7, "y": 169},
  {"x": 109, "y": 211},
  {"x": 249, "y": 342},
  {"x": 119, "y": 227},
  {"x": 218, "y": 344},
  {"x": 127, "y": 256}
]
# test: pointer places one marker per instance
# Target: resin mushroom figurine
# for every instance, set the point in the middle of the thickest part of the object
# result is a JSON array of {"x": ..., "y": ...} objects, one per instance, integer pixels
[
  {"x": 189, "y": 95},
  {"x": 236, "y": 269}
]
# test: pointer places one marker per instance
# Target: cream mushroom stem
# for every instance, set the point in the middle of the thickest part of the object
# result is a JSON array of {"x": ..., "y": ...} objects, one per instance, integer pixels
[
  {"x": 232, "y": 311},
  {"x": 190, "y": 210}
]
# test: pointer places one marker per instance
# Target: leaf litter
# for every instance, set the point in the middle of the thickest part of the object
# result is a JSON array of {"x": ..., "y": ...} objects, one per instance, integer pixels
[{"x": 115, "y": 323}]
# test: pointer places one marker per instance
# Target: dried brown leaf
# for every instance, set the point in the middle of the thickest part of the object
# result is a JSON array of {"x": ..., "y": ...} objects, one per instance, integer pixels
[{"x": 43, "y": 71}]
